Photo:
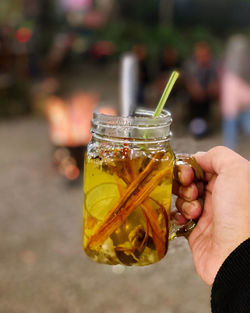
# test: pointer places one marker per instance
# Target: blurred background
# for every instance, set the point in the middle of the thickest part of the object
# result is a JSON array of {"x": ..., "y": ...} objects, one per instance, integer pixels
[{"x": 60, "y": 61}]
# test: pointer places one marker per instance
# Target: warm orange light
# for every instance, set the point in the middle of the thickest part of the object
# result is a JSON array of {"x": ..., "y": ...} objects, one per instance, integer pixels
[{"x": 23, "y": 34}]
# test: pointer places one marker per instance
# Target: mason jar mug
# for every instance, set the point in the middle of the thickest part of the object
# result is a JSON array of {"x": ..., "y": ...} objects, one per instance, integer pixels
[{"x": 128, "y": 173}]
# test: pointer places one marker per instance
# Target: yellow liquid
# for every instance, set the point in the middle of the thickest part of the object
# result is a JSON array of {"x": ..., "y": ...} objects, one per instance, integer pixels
[{"x": 137, "y": 231}]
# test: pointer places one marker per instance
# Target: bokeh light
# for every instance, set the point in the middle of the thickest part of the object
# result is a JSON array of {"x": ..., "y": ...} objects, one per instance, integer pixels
[{"x": 23, "y": 34}]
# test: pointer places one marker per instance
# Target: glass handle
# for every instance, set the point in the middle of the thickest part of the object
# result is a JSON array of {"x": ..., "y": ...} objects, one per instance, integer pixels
[{"x": 189, "y": 160}]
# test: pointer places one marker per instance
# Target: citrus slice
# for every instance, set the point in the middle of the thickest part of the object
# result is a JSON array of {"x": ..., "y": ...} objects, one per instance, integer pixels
[{"x": 101, "y": 199}]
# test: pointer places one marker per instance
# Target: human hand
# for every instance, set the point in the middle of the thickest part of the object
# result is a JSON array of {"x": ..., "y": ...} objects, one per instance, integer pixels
[{"x": 224, "y": 222}]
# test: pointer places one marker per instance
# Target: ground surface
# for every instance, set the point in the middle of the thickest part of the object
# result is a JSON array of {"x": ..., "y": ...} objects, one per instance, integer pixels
[{"x": 42, "y": 266}]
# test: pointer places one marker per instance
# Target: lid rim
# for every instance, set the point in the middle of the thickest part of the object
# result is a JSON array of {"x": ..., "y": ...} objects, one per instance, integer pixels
[{"x": 144, "y": 118}]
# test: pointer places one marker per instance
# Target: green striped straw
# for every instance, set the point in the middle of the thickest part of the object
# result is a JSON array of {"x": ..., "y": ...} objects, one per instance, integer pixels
[{"x": 166, "y": 93}]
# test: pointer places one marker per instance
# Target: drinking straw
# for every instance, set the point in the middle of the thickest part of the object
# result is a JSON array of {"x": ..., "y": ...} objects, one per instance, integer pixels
[{"x": 166, "y": 93}]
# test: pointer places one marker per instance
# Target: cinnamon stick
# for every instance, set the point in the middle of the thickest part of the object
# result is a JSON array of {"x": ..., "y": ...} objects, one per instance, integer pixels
[
  {"x": 150, "y": 215},
  {"x": 157, "y": 233},
  {"x": 126, "y": 205},
  {"x": 135, "y": 184}
]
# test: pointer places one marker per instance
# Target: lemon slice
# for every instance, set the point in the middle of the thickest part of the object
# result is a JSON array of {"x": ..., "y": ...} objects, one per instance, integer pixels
[{"x": 101, "y": 199}]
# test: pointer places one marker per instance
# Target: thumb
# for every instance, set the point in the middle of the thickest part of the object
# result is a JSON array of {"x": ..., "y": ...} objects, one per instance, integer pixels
[{"x": 217, "y": 159}]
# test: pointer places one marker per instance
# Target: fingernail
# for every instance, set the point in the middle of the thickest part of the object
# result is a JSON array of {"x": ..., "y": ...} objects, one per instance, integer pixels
[
  {"x": 187, "y": 208},
  {"x": 180, "y": 177},
  {"x": 186, "y": 193},
  {"x": 179, "y": 219},
  {"x": 199, "y": 154}
]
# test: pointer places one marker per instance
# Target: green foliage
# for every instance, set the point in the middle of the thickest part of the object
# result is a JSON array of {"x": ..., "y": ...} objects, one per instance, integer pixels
[
  {"x": 155, "y": 38},
  {"x": 10, "y": 11}
]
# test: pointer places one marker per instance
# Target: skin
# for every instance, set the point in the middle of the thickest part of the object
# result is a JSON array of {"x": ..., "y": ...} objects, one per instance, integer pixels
[{"x": 224, "y": 222}]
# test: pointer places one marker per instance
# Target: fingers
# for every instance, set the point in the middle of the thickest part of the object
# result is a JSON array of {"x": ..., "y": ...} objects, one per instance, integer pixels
[
  {"x": 187, "y": 204},
  {"x": 185, "y": 174},
  {"x": 214, "y": 162},
  {"x": 178, "y": 218},
  {"x": 188, "y": 193},
  {"x": 189, "y": 209}
]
